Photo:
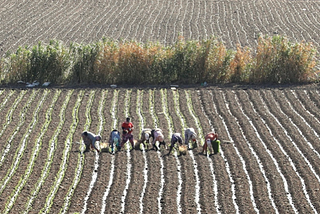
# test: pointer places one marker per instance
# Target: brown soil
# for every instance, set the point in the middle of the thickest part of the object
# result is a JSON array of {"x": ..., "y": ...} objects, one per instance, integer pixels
[{"x": 276, "y": 125}]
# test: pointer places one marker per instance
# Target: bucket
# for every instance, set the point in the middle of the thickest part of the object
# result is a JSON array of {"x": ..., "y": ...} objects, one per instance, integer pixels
[
  {"x": 216, "y": 146},
  {"x": 183, "y": 149},
  {"x": 104, "y": 147}
]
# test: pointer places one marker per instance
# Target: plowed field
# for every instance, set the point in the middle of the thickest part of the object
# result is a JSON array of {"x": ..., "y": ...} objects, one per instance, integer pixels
[
  {"x": 233, "y": 21},
  {"x": 268, "y": 161}
]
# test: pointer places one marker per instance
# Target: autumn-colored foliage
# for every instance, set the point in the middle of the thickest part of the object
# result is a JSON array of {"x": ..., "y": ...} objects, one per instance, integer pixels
[{"x": 276, "y": 60}]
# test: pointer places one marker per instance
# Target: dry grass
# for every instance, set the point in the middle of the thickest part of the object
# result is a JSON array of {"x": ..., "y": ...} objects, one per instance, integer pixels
[{"x": 276, "y": 60}]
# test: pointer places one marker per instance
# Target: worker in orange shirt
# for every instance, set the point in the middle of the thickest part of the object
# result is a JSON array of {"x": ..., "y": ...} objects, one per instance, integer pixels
[{"x": 127, "y": 128}]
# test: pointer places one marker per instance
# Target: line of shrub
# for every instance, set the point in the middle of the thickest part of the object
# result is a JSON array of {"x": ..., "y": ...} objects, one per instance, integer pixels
[{"x": 276, "y": 60}]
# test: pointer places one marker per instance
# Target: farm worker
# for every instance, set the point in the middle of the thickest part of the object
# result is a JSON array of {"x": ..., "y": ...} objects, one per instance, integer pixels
[
  {"x": 211, "y": 140},
  {"x": 145, "y": 135},
  {"x": 127, "y": 128},
  {"x": 89, "y": 140},
  {"x": 114, "y": 139},
  {"x": 157, "y": 136},
  {"x": 190, "y": 134},
  {"x": 176, "y": 138},
  {"x": 156, "y": 129}
]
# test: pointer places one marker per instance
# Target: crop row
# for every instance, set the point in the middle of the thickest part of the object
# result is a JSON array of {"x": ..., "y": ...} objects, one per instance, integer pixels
[
  {"x": 269, "y": 141},
  {"x": 50, "y": 153}
]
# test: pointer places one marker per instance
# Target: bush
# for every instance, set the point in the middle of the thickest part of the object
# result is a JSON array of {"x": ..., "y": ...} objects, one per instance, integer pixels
[{"x": 276, "y": 60}]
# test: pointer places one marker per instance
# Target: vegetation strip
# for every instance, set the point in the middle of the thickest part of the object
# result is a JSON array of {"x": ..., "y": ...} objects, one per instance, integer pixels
[
  {"x": 64, "y": 162},
  {"x": 145, "y": 170},
  {"x": 197, "y": 60},
  {"x": 97, "y": 156},
  {"x": 34, "y": 154},
  {"x": 129, "y": 165},
  {"x": 17, "y": 129},
  {"x": 156, "y": 122},
  {"x": 114, "y": 125},
  {"x": 20, "y": 150},
  {"x": 170, "y": 125},
  {"x": 195, "y": 165},
  {"x": 50, "y": 152}
]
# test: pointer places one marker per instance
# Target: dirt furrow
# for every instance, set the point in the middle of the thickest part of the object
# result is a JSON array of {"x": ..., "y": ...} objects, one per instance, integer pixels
[
  {"x": 6, "y": 108},
  {"x": 57, "y": 156},
  {"x": 169, "y": 198},
  {"x": 238, "y": 174},
  {"x": 150, "y": 200},
  {"x": 220, "y": 172},
  {"x": 69, "y": 176},
  {"x": 304, "y": 138},
  {"x": 293, "y": 179},
  {"x": 22, "y": 174},
  {"x": 207, "y": 199},
  {"x": 14, "y": 132},
  {"x": 113, "y": 201},
  {"x": 264, "y": 131},
  {"x": 137, "y": 179}
]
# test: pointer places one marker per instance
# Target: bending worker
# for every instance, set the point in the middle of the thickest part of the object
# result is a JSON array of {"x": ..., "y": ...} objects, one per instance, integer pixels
[
  {"x": 176, "y": 138},
  {"x": 190, "y": 134},
  {"x": 157, "y": 136},
  {"x": 145, "y": 135},
  {"x": 211, "y": 141},
  {"x": 89, "y": 140},
  {"x": 114, "y": 140}
]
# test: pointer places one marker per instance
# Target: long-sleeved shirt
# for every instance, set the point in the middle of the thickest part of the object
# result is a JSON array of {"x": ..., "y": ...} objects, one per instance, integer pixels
[
  {"x": 90, "y": 138},
  {"x": 188, "y": 133},
  {"x": 176, "y": 137},
  {"x": 114, "y": 134},
  {"x": 158, "y": 136}
]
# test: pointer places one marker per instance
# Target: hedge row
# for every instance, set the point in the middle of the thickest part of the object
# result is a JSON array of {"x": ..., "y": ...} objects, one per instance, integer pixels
[{"x": 276, "y": 60}]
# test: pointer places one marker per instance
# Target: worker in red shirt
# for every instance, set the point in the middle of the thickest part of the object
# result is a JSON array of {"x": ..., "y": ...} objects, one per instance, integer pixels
[
  {"x": 127, "y": 128},
  {"x": 211, "y": 141}
]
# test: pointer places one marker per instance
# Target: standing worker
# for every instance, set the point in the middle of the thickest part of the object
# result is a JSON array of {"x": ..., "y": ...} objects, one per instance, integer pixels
[
  {"x": 127, "y": 128},
  {"x": 211, "y": 141},
  {"x": 89, "y": 140},
  {"x": 114, "y": 140},
  {"x": 190, "y": 134}
]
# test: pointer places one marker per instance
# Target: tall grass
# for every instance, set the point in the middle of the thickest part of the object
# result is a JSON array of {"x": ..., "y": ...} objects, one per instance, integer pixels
[{"x": 275, "y": 60}]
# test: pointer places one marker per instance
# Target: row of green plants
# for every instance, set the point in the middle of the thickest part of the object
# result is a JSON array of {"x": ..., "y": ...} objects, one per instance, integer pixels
[
  {"x": 195, "y": 117},
  {"x": 53, "y": 142},
  {"x": 15, "y": 131},
  {"x": 81, "y": 157},
  {"x": 34, "y": 155},
  {"x": 23, "y": 143},
  {"x": 108, "y": 61},
  {"x": 9, "y": 115},
  {"x": 65, "y": 156}
]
